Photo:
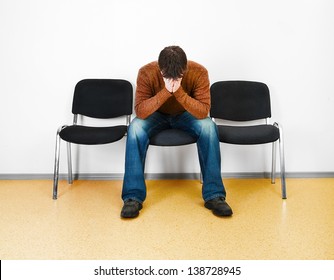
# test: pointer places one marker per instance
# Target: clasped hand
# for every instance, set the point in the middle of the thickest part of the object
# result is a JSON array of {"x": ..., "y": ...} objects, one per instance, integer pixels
[{"x": 172, "y": 85}]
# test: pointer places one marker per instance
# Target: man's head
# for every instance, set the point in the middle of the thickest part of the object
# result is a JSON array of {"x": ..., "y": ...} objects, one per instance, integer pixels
[{"x": 172, "y": 62}]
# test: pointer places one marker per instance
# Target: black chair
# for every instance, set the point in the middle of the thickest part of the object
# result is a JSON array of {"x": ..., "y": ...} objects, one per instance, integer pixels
[
  {"x": 243, "y": 101},
  {"x": 173, "y": 137},
  {"x": 99, "y": 99}
]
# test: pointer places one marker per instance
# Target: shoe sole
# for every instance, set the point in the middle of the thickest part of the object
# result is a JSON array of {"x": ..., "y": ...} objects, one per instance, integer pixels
[{"x": 129, "y": 216}]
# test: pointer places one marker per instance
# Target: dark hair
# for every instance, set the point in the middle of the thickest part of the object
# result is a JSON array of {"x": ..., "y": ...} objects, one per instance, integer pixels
[{"x": 172, "y": 62}]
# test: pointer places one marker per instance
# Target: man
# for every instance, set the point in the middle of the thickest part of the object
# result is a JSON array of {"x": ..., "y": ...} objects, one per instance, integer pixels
[{"x": 172, "y": 93}]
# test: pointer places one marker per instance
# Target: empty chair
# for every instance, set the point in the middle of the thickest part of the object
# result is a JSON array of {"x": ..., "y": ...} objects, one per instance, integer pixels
[
  {"x": 99, "y": 99},
  {"x": 241, "y": 102}
]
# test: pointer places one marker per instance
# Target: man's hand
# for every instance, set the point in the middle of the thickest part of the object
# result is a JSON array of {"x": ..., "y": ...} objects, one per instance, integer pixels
[{"x": 172, "y": 85}]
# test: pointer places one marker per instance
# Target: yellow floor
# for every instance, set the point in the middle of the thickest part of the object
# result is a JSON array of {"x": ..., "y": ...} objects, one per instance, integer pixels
[{"x": 84, "y": 223}]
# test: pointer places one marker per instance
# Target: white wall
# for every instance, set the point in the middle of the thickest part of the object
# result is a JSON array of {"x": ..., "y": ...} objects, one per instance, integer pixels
[{"x": 47, "y": 46}]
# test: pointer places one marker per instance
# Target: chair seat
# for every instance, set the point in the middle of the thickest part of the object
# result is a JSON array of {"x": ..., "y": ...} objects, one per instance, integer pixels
[
  {"x": 248, "y": 135},
  {"x": 87, "y": 135},
  {"x": 172, "y": 137}
]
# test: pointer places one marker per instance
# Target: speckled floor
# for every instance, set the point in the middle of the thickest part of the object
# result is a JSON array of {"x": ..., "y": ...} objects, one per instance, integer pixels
[{"x": 84, "y": 223}]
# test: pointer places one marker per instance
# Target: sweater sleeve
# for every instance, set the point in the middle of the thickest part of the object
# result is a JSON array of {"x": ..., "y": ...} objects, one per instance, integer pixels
[
  {"x": 198, "y": 103},
  {"x": 146, "y": 101}
]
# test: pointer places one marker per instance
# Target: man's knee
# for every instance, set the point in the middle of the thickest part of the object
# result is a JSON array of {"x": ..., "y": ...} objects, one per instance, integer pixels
[
  {"x": 207, "y": 124},
  {"x": 136, "y": 128},
  {"x": 208, "y": 127}
]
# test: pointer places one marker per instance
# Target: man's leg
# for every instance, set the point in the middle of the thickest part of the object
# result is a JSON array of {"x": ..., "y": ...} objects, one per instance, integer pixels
[
  {"x": 213, "y": 190},
  {"x": 134, "y": 188}
]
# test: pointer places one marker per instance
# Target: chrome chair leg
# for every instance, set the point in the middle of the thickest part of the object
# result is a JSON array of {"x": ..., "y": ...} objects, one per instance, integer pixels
[
  {"x": 273, "y": 163},
  {"x": 56, "y": 167},
  {"x": 282, "y": 161},
  {"x": 69, "y": 163}
]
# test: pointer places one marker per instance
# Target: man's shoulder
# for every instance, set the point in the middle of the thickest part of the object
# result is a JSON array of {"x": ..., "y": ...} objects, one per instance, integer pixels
[
  {"x": 195, "y": 69},
  {"x": 195, "y": 66},
  {"x": 152, "y": 66}
]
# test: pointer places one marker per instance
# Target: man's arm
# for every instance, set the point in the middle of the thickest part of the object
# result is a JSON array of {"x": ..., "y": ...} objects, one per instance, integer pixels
[
  {"x": 199, "y": 104},
  {"x": 146, "y": 103}
]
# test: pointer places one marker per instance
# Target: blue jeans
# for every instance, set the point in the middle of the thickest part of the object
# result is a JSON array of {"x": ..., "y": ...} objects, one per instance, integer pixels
[{"x": 139, "y": 133}]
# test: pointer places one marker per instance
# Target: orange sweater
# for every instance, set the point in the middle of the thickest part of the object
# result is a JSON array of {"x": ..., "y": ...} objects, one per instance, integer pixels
[{"x": 193, "y": 95}]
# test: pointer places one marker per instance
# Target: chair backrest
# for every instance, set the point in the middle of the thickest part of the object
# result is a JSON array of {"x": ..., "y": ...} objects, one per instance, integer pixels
[
  {"x": 240, "y": 100},
  {"x": 103, "y": 98}
]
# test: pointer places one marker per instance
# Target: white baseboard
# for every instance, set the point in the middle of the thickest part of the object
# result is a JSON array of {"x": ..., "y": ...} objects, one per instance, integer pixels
[{"x": 160, "y": 176}]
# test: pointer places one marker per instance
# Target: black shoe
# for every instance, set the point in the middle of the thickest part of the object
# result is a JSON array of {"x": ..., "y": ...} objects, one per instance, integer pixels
[
  {"x": 131, "y": 209},
  {"x": 219, "y": 206}
]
